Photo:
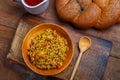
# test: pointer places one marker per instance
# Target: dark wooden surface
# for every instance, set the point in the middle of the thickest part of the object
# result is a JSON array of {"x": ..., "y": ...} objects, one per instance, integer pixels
[{"x": 11, "y": 14}]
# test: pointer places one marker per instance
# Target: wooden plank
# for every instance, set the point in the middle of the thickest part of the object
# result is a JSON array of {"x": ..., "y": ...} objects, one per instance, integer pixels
[
  {"x": 6, "y": 36},
  {"x": 93, "y": 62},
  {"x": 112, "y": 71},
  {"x": 10, "y": 13}
]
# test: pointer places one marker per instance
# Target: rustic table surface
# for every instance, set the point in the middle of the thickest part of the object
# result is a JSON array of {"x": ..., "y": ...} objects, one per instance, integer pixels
[{"x": 13, "y": 17}]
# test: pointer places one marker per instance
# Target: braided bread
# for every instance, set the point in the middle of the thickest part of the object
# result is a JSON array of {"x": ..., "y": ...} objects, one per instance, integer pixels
[{"x": 100, "y": 14}]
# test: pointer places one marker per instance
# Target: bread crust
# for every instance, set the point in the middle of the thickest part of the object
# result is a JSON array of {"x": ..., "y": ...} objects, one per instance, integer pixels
[{"x": 85, "y": 14}]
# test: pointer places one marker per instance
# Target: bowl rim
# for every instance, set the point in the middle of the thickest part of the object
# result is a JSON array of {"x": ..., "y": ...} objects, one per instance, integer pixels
[{"x": 58, "y": 71}]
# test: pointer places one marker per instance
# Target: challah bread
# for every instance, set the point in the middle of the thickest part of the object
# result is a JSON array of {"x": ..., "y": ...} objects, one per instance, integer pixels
[{"x": 100, "y": 14}]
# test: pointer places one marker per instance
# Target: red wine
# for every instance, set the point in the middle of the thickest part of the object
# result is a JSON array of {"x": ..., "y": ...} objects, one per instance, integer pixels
[{"x": 33, "y": 2}]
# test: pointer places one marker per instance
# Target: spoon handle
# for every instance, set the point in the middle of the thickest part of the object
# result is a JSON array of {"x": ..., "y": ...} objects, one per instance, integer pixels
[{"x": 76, "y": 65}]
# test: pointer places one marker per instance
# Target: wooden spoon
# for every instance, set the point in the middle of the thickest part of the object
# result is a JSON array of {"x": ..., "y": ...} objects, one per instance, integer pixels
[{"x": 84, "y": 44}]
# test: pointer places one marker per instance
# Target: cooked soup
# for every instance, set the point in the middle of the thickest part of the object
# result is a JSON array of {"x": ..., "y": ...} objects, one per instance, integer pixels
[{"x": 48, "y": 50}]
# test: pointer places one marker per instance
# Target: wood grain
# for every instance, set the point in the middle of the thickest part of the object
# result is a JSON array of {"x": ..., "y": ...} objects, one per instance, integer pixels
[
  {"x": 10, "y": 13},
  {"x": 112, "y": 71},
  {"x": 6, "y": 36}
]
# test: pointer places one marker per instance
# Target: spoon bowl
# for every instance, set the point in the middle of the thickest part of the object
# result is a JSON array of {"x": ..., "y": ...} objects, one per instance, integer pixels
[{"x": 84, "y": 44}]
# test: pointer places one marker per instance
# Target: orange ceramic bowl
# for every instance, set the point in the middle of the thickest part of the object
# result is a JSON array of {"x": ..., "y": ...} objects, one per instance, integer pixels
[{"x": 37, "y": 29}]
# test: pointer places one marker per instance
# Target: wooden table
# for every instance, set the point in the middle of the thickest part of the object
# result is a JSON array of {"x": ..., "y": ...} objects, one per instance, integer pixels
[{"x": 12, "y": 12}]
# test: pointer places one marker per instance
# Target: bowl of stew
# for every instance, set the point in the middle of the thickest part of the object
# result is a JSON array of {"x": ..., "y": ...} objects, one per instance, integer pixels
[{"x": 47, "y": 49}]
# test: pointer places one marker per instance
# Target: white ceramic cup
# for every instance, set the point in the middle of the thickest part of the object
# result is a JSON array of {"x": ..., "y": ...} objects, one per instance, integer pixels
[{"x": 37, "y": 9}]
